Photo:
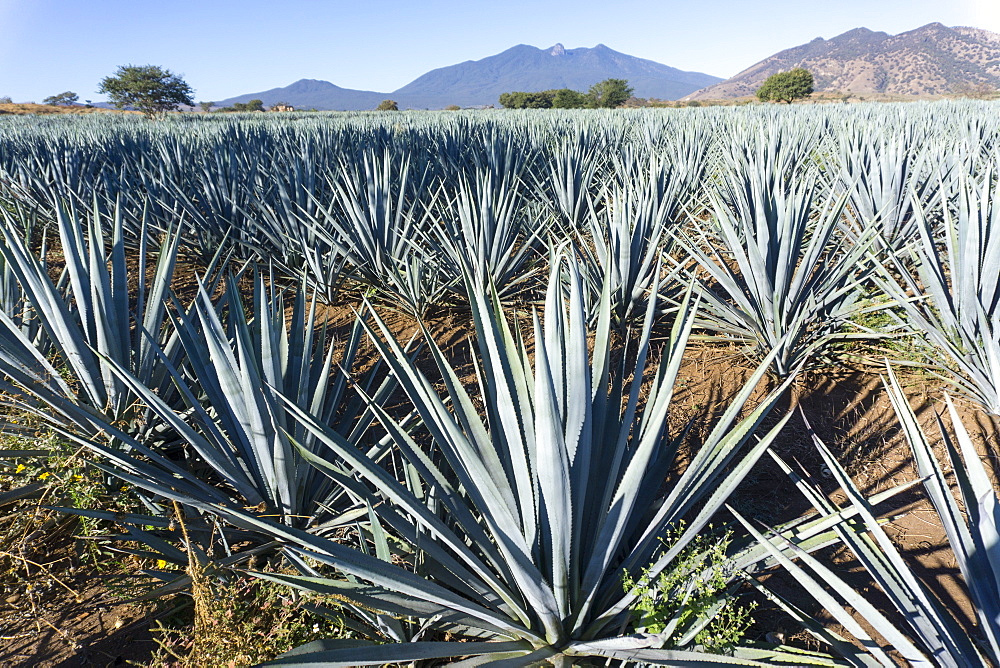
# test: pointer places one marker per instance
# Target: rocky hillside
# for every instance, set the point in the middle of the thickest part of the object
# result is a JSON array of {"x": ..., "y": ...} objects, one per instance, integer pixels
[{"x": 931, "y": 60}]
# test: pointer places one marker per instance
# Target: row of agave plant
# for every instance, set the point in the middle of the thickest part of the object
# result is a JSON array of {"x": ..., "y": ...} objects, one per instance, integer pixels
[
  {"x": 507, "y": 514},
  {"x": 783, "y": 221}
]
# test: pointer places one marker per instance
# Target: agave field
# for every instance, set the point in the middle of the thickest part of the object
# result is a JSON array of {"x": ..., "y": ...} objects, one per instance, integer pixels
[{"x": 525, "y": 495}]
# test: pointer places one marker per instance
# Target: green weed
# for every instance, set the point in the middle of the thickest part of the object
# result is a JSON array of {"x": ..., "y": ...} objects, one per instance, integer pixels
[{"x": 692, "y": 604}]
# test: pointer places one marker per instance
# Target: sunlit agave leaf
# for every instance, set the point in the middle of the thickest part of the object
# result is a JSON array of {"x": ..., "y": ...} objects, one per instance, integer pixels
[
  {"x": 957, "y": 271},
  {"x": 884, "y": 174},
  {"x": 486, "y": 228},
  {"x": 368, "y": 654},
  {"x": 572, "y": 166},
  {"x": 527, "y": 476},
  {"x": 775, "y": 271},
  {"x": 88, "y": 319},
  {"x": 232, "y": 417},
  {"x": 973, "y": 535},
  {"x": 627, "y": 225},
  {"x": 370, "y": 231},
  {"x": 926, "y": 628},
  {"x": 932, "y": 626},
  {"x": 814, "y": 585},
  {"x": 519, "y": 512}
]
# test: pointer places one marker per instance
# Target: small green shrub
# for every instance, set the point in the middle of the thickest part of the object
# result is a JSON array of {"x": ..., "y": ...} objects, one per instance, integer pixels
[
  {"x": 692, "y": 603},
  {"x": 64, "y": 469},
  {"x": 883, "y": 320}
]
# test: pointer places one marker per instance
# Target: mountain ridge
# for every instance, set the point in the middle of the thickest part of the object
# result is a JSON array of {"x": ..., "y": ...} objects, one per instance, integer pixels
[
  {"x": 480, "y": 82},
  {"x": 528, "y": 68},
  {"x": 310, "y": 93}
]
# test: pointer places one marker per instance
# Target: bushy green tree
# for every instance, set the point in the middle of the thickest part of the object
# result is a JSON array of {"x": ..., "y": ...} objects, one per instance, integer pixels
[
  {"x": 569, "y": 99},
  {"x": 206, "y": 105},
  {"x": 786, "y": 86},
  {"x": 562, "y": 98},
  {"x": 528, "y": 100},
  {"x": 148, "y": 88},
  {"x": 66, "y": 99},
  {"x": 609, "y": 93},
  {"x": 387, "y": 105},
  {"x": 605, "y": 94}
]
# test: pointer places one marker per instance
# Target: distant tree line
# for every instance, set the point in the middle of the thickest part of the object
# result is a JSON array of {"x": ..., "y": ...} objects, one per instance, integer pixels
[
  {"x": 606, "y": 94},
  {"x": 250, "y": 105}
]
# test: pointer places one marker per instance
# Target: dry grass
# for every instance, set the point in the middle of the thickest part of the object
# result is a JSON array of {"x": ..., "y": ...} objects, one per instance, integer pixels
[{"x": 21, "y": 109}]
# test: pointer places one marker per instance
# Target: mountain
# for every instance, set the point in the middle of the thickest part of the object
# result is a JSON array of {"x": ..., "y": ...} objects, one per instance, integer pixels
[
  {"x": 312, "y": 94},
  {"x": 527, "y": 68},
  {"x": 480, "y": 82},
  {"x": 931, "y": 60}
]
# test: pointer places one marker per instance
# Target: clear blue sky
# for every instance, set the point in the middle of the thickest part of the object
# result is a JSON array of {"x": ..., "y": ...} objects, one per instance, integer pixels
[{"x": 224, "y": 48}]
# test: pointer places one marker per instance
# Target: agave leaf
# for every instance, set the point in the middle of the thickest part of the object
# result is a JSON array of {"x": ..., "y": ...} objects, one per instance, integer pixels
[
  {"x": 377, "y": 655},
  {"x": 88, "y": 320},
  {"x": 378, "y": 598},
  {"x": 403, "y": 497},
  {"x": 933, "y": 626},
  {"x": 854, "y": 655},
  {"x": 959, "y": 281},
  {"x": 633, "y": 649},
  {"x": 973, "y": 541},
  {"x": 896, "y": 639},
  {"x": 771, "y": 280}
]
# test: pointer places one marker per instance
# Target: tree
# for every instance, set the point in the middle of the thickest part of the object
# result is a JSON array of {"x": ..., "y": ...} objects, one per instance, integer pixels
[
  {"x": 148, "y": 88},
  {"x": 786, "y": 86},
  {"x": 524, "y": 100},
  {"x": 249, "y": 105},
  {"x": 206, "y": 106},
  {"x": 609, "y": 93},
  {"x": 976, "y": 91},
  {"x": 569, "y": 99},
  {"x": 66, "y": 99},
  {"x": 387, "y": 105},
  {"x": 513, "y": 100}
]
